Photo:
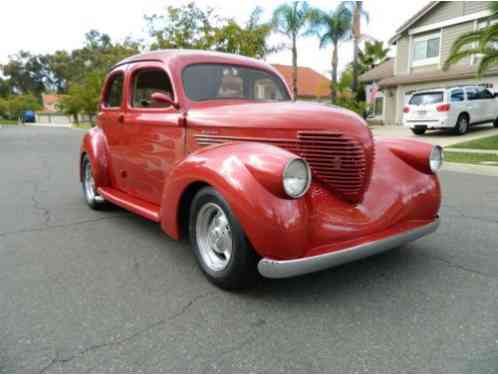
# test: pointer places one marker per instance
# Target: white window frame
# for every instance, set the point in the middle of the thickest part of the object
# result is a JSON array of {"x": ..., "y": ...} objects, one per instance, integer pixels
[{"x": 427, "y": 61}]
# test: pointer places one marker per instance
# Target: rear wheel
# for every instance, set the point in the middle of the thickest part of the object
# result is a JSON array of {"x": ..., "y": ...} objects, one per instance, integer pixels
[
  {"x": 219, "y": 243},
  {"x": 418, "y": 131},
  {"x": 92, "y": 197},
  {"x": 495, "y": 123},
  {"x": 462, "y": 125}
]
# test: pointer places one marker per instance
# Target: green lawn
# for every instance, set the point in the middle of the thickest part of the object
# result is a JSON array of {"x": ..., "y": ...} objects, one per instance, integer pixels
[
  {"x": 488, "y": 143},
  {"x": 82, "y": 126},
  {"x": 469, "y": 158},
  {"x": 8, "y": 122}
]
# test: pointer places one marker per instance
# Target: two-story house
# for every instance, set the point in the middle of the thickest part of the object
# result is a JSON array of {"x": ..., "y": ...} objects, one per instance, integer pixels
[{"x": 422, "y": 45}]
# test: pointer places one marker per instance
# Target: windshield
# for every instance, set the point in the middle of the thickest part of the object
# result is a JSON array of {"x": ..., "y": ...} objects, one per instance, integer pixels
[
  {"x": 222, "y": 81},
  {"x": 427, "y": 98}
]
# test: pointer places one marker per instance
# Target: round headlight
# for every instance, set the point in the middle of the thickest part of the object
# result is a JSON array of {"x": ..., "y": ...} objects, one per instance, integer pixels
[
  {"x": 436, "y": 158},
  {"x": 296, "y": 178}
]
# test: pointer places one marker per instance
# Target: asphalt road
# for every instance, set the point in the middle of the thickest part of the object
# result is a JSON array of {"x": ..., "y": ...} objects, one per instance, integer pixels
[{"x": 107, "y": 291}]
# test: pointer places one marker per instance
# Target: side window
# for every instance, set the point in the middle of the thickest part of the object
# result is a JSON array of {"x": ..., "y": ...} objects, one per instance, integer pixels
[
  {"x": 485, "y": 94},
  {"x": 148, "y": 82},
  {"x": 457, "y": 96},
  {"x": 114, "y": 94},
  {"x": 472, "y": 93}
]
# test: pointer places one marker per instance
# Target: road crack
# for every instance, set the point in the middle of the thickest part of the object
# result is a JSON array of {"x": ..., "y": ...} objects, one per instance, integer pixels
[{"x": 118, "y": 342}]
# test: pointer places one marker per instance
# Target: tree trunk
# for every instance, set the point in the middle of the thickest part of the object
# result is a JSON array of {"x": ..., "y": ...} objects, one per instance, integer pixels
[
  {"x": 76, "y": 118},
  {"x": 294, "y": 66},
  {"x": 333, "y": 92},
  {"x": 356, "y": 43}
]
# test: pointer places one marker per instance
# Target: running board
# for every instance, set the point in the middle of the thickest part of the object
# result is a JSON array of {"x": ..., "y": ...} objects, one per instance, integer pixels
[{"x": 148, "y": 210}]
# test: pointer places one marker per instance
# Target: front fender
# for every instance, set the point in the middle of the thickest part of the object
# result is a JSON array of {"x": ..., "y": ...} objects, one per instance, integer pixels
[
  {"x": 94, "y": 145},
  {"x": 249, "y": 177}
]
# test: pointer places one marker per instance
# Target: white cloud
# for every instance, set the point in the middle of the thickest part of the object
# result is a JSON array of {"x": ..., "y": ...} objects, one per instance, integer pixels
[{"x": 45, "y": 26}]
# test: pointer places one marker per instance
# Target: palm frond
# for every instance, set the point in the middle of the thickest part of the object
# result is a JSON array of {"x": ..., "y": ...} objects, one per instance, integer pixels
[
  {"x": 489, "y": 59},
  {"x": 458, "y": 56},
  {"x": 466, "y": 39}
]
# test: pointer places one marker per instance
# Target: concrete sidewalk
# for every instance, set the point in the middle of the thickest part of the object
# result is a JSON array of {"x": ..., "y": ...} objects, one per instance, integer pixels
[{"x": 436, "y": 137}]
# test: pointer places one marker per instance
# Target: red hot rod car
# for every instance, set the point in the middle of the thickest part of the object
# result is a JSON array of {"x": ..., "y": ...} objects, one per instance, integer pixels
[{"x": 213, "y": 148}]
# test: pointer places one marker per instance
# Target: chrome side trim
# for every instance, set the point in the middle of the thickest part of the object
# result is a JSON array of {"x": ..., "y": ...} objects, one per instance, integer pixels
[{"x": 278, "y": 269}]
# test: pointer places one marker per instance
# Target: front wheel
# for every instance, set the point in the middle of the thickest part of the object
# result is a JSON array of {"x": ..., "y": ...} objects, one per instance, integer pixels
[
  {"x": 219, "y": 243},
  {"x": 418, "y": 131},
  {"x": 93, "y": 199},
  {"x": 462, "y": 125}
]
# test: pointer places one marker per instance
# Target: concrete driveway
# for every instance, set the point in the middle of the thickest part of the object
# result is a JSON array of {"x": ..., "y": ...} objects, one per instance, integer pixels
[
  {"x": 437, "y": 137},
  {"x": 87, "y": 291}
]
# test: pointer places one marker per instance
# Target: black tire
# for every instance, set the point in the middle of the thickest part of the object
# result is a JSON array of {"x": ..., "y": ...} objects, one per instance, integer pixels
[
  {"x": 495, "y": 123},
  {"x": 418, "y": 131},
  {"x": 240, "y": 270},
  {"x": 462, "y": 125},
  {"x": 94, "y": 200}
]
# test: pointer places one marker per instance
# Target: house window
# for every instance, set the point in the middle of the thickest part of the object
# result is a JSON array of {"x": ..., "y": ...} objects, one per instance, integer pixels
[
  {"x": 426, "y": 50},
  {"x": 378, "y": 106}
]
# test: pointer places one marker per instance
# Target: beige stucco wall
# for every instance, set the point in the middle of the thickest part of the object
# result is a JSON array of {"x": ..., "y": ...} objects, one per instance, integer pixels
[
  {"x": 449, "y": 35},
  {"x": 447, "y": 10},
  {"x": 402, "y": 52}
]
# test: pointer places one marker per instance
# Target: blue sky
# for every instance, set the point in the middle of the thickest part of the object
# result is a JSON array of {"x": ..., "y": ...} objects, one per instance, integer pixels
[{"x": 48, "y": 25}]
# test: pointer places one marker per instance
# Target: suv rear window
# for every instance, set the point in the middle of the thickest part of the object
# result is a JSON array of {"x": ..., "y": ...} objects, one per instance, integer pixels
[{"x": 426, "y": 98}]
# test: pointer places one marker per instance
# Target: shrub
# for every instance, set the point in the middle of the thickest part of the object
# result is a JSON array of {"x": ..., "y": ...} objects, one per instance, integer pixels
[{"x": 359, "y": 107}]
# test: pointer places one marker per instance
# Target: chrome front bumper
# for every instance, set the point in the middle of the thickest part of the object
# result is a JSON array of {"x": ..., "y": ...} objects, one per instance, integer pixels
[{"x": 278, "y": 269}]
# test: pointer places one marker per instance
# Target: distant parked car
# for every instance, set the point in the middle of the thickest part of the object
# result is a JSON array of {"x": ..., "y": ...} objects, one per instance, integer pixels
[
  {"x": 28, "y": 116},
  {"x": 455, "y": 108}
]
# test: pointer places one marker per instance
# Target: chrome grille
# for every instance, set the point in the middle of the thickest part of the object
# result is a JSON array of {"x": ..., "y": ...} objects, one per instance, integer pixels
[{"x": 338, "y": 161}]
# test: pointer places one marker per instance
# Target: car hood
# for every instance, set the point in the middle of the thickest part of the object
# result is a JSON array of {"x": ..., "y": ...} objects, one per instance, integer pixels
[{"x": 275, "y": 116}]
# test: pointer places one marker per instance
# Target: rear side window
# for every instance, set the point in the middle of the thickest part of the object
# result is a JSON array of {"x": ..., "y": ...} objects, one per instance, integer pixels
[
  {"x": 148, "y": 82},
  {"x": 114, "y": 94},
  {"x": 426, "y": 98},
  {"x": 457, "y": 96},
  {"x": 472, "y": 93}
]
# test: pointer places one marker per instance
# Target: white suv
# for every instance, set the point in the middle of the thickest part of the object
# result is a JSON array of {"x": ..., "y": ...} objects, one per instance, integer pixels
[{"x": 454, "y": 108}]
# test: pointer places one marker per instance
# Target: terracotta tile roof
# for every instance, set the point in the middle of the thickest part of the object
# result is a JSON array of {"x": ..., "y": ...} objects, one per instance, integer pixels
[
  {"x": 455, "y": 73},
  {"x": 381, "y": 71},
  {"x": 310, "y": 83},
  {"x": 50, "y": 101}
]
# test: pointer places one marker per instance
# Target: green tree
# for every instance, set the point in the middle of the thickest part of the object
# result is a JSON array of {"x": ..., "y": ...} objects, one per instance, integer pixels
[
  {"x": 482, "y": 42},
  {"x": 187, "y": 26},
  {"x": 249, "y": 40},
  {"x": 291, "y": 20},
  {"x": 332, "y": 28},
  {"x": 373, "y": 54},
  {"x": 13, "y": 106}
]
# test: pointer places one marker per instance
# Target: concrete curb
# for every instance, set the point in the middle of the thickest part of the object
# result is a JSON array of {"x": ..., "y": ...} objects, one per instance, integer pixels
[
  {"x": 481, "y": 170},
  {"x": 471, "y": 151}
]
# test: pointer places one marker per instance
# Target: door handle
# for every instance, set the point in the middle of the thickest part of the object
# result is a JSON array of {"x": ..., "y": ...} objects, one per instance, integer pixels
[{"x": 121, "y": 119}]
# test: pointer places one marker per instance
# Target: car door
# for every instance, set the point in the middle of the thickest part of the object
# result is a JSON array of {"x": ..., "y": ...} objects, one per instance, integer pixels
[
  {"x": 457, "y": 104},
  {"x": 474, "y": 104},
  {"x": 488, "y": 104},
  {"x": 156, "y": 134},
  {"x": 111, "y": 118}
]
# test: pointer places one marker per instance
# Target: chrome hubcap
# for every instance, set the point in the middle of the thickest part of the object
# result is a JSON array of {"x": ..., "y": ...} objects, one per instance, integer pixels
[
  {"x": 214, "y": 236},
  {"x": 90, "y": 189}
]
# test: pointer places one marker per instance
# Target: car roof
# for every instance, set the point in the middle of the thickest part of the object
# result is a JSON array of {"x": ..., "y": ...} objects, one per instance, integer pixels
[{"x": 188, "y": 56}]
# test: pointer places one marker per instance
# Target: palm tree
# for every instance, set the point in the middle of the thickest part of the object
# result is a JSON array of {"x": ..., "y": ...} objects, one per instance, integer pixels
[
  {"x": 373, "y": 54},
  {"x": 358, "y": 14},
  {"x": 332, "y": 27},
  {"x": 290, "y": 20},
  {"x": 482, "y": 42}
]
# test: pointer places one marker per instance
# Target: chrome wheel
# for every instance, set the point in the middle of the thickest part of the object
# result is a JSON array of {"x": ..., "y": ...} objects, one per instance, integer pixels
[
  {"x": 214, "y": 236},
  {"x": 91, "y": 194},
  {"x": 463, "y": 125}
]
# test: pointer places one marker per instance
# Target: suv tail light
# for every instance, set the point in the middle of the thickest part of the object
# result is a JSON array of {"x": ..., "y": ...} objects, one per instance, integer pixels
[
  {"x": 406, "y": 109},
  {"x": 443, "y": 108}
]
